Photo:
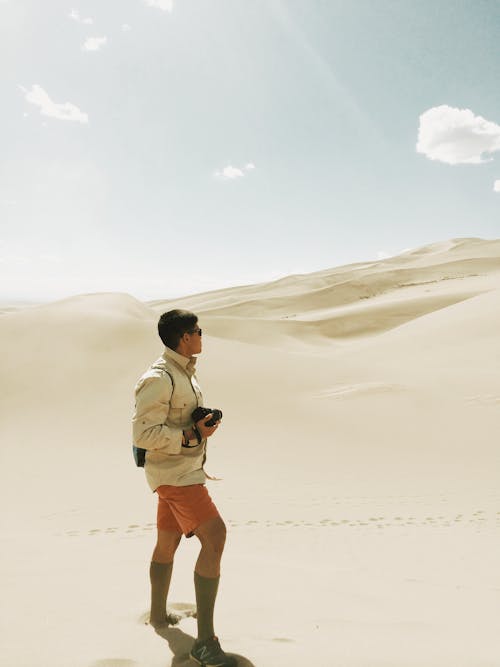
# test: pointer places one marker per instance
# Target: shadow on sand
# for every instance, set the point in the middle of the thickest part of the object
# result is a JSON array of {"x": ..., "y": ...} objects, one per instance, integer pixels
[{"x": 180, "y": 644}]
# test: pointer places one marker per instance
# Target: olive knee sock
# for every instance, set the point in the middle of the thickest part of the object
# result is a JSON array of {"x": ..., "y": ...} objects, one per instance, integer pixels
[
  {"x": 159, "y": 575},
  {"x": 206, "y": 592}
]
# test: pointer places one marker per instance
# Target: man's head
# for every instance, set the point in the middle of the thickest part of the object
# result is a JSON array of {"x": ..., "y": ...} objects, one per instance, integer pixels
[{"x": 179, "y": 331}]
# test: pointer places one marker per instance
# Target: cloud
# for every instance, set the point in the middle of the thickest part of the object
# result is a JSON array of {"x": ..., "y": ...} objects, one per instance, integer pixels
[
  {"x": 126, "y": 27},
  {"x": 165, "y": 5},
  {"x": 383, "y": 255},
  {"x": 65, "y": 111},
  {"x": 496, "y": 186},
  {"x": 75, "y": 15},
  {"x": 94, "y": 43},
  {"x": 456, "y": 136},
  {"x": 230, "y": 173}
]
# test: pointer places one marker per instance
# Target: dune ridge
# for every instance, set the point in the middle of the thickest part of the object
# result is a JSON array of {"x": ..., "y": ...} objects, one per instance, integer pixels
[{"x": 353, "y": 301}]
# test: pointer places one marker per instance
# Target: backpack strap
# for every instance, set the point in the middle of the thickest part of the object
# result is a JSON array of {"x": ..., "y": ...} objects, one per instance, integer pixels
[{"x": 164, "y": 370}]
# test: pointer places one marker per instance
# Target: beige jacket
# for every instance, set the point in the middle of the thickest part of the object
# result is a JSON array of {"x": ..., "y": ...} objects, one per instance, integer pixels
[{"x": 162, "y": 412}]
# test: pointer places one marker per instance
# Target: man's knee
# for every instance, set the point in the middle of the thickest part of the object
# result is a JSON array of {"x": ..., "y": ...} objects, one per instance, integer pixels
[
  {"x": 166, "y": 545},
  {"x": 212, "y": 534}
]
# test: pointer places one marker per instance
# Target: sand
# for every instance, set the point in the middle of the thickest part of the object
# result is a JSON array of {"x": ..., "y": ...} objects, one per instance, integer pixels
[{"x": 358, "y": 454}]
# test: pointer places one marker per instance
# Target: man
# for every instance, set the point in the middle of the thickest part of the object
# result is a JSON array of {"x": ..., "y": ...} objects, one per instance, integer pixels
[{"x": 166, "y": 396}]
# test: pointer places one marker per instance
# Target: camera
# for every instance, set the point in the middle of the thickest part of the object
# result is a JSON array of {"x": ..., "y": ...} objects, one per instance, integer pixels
[{"x": 200, "y": 412}]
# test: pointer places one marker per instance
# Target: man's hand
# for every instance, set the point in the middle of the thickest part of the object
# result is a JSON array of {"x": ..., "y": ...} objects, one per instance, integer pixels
[
  {"x": 207, "y": 431},
  {"x": 204, "y": 430}
]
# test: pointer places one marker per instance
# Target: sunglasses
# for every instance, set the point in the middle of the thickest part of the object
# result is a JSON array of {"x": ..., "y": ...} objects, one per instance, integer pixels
[{"x": 195, "y": 331}]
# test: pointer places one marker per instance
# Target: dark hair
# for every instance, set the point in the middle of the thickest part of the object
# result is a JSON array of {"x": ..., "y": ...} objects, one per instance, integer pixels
[{"x": 173, "y": 325}]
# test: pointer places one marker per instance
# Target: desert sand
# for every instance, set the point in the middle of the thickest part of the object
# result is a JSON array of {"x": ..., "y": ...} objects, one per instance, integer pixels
[{"x": 358, "y": 454}]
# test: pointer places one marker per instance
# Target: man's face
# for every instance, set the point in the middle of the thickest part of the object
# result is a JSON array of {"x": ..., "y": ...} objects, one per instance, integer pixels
[{"x": 193, "y": 341}]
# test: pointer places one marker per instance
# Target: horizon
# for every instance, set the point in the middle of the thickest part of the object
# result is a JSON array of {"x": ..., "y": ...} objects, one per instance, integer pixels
[
  {"x": 12, "y": 301},
  {"x": 291, "y": 138}
]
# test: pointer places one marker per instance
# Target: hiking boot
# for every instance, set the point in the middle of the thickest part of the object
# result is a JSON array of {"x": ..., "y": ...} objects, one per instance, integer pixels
[{"x": 208, "y": 653}]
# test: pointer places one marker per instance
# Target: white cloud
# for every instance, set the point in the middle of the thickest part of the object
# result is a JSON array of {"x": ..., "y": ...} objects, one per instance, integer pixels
[
  {"x": 496, "y": 186},
  {"x": 456, "y": 136},
  {"x": 165, "y": 5},
  {"x": 94, "y": 43},
  {"x": 230, "y": 172},
  {"x": 126, "y": 27},
  {"x": 75, "y": 15},
  {"x": 65, "y": 111}
]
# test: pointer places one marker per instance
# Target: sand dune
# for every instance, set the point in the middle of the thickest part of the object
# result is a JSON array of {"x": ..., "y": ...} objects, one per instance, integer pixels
[
  {"x": 353, "y": 301},
  {"x": 323, "y": 326},
  {"x": 358, "y": 454}
]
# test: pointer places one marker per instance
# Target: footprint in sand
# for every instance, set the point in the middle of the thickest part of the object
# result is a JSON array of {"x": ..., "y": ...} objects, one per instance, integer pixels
[
  {"x": 184, "y": 609},
  {"x": 180, "y": 610}
]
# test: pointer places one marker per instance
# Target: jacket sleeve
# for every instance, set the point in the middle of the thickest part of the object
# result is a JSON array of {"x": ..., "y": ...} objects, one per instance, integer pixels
[{"x": 152, "y": 405}]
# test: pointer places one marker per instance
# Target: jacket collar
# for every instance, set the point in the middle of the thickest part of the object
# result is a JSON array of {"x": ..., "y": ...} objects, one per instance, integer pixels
[{"x": 188, "y": 364}]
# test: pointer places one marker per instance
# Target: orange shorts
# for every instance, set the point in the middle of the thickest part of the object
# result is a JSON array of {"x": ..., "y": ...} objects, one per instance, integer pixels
[{"x": 183, "y": 508}]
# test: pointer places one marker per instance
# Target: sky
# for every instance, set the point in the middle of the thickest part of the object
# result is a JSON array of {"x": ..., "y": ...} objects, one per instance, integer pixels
[{"x": 169, "y": 147}]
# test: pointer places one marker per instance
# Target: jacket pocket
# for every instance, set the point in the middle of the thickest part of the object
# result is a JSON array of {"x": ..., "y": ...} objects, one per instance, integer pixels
[{"x": 178, "y": 411}]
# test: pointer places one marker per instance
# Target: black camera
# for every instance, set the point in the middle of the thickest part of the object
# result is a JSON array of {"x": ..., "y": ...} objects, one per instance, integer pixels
[{"x": 200, "y": 412}]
